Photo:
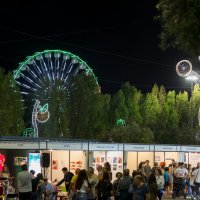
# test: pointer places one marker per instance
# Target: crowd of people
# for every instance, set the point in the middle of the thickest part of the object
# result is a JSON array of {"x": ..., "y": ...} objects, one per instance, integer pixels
[{"x": 145, "y": 183}]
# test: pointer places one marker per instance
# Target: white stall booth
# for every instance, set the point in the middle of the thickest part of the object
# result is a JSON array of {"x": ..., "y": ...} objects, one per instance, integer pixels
[
  {"x": 136, "y": 153},
  {"x": 81, "y": 155},
  {"x": 66, "y": 154},
  {"x": 101, "y": 153}
]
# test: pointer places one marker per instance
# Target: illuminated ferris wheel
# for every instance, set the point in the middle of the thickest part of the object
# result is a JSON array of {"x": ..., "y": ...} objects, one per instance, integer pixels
[{"x": 44, "y": 72}]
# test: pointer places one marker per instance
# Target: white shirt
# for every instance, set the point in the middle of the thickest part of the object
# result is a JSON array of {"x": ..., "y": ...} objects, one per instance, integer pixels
[
  {"x": 181, "y": 172},
  {"x": 83, "y": 187},
  {"x": 196, "y": 175},
  {"x": 24, "y": 181},
  {"x": 160, "y": 181}
]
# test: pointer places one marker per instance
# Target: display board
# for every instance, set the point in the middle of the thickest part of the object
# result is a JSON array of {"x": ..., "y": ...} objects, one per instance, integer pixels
[
  {"x": 77, "y": 160},
  {"x": 34, "y": 162},
  {"x": 115, "y": 158},
  {"x": 60, "y": 159},
  {"x": 194, "y": 158}
]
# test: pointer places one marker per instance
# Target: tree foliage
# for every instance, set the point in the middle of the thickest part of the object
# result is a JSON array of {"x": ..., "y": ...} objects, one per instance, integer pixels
[
  {"x": 82, "y": 112},
  {"x": 180, "y": 25},
  {"x": 11, "y": 106}
]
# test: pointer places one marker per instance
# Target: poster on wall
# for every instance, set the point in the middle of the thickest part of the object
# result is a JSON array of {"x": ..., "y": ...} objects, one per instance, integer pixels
[
  {"x": 78, "y": 160},
  {"x": 76, "y": 165},
  {"x": 98, "y": 159},
  {"x": 34, "y": 162},
  {"x": 114, "y": 158},
  {"x": 194, "y": 159},
  {"x": 55, "y": 164}
]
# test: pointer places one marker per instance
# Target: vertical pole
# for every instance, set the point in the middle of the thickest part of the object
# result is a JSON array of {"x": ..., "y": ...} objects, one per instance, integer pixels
[
  {"x": 123, "y": 158},
  {"x": 69, "y": 159},
  {"x": 88, "y": 155},
  {"x": 192, "y": 105}
]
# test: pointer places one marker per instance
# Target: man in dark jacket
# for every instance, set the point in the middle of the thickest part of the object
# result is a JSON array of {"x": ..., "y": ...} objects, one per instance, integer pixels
[
  {"x": 124, "y": 185},
  {"x": 67, "y": 178}
]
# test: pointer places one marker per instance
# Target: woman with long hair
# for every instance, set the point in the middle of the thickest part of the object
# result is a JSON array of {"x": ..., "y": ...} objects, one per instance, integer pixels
[
  {"x": 105, "y": 187},
  {"x": 82, "y": 185},
  {"x": 153, "y": 187},
  {"x": 107, "y": 168},
  {"x": 141, "y": 171}
]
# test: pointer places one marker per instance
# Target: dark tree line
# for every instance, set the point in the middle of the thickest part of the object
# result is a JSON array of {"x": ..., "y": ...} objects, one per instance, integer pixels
[{"x": 83, "y": 112}]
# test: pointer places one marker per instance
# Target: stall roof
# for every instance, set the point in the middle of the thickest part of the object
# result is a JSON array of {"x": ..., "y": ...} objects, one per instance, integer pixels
[{"x": 55, "y": 144}]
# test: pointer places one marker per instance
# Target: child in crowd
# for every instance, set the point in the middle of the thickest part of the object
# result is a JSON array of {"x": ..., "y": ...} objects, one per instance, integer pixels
[{"x": 166, "y": 178}]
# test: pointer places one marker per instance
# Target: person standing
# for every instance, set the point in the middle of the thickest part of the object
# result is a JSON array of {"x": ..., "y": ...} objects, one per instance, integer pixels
[
  {"x": 67, "y": 178},
  {"x": 33, "y": 174},
  {"x": 116, "y": 184},
  {"x": 24, "y": 183},
  {"x": 99, "y": 168},
  {"x": 153, "y": 187},
  {"x": 73, "y": 183},
  {"x": 93, "y": 181},
  {"x": 124, "y": 185},
  {"x": 196, "y": 175},
  {"x": 82, "y": 185},
  {"x": 147, "y": 169},
  {"x": 104, "y": 188},
  {"x": 160, "y": 182},
  {"x": 166, "y": 178},
  {"x": 139, "y": 190},
  {"x": 180, "y": 176}
]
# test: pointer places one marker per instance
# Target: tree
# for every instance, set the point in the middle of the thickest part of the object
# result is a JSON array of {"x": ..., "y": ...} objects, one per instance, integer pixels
[
  {"x": 181, "y": 25},
  {"x": 132, "y": 102},
  {"x": 183, "y": 109},
  {"x": 118, "y": 107},
  {"x": 169, "y": 120},
  {"x": 11, "y": 106},
  {"x": 151, "y": 108},
  {"x": 185, "y": 132},
  {"x": 88, "y": 108},
  {"x": 195, "y": 104}
]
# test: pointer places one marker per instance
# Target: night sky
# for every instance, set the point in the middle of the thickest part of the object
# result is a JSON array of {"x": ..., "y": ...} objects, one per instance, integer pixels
[{"x": 119, "y": 39}]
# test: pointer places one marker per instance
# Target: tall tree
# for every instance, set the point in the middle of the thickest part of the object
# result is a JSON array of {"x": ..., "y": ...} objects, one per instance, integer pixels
[
  {"x": 119, "y": 109},
  {"x": 88, "y": 108},
  {"x": 181, "y": 25},
  {"x": 151, "y": 111},
  {"x": 132, "y": 102},
  {"x": 11, "y": 106},
  {"x": 195, "y": 104}
]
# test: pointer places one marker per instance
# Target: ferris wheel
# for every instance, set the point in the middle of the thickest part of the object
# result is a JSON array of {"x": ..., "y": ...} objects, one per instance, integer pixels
[{"x": 45, "y": 72}]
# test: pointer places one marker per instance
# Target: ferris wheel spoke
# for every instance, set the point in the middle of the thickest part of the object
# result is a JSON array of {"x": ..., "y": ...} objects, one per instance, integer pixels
[
  {"x": 25, "y": 93},
  {"x": 41, "y": 74},
  {"x": 33, "y": 75},
  {"x": 26, "y": 86},
  {"x": 46, "y": 68},
  {"x": 30, "y": 81}
]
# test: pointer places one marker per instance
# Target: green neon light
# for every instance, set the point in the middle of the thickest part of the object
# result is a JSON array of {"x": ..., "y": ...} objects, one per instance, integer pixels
[
  {"x": 76, "y": 59},
  {"x": 28, "y": 132},
  {"x": 121, "y": 122},
  {"x": 44, "y": 108}
]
